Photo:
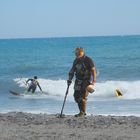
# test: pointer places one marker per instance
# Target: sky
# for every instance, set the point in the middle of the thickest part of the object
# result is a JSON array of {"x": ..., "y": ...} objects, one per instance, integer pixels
[{"x": 68, "y": 18}]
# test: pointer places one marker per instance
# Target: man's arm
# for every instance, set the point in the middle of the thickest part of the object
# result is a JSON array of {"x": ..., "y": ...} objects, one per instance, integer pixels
[
  {"x": 71, "y": 74},
  {"x": 93, "y": 72},
  {"x": 39, "y": 87},
  {"x": 29, "y": 80}
]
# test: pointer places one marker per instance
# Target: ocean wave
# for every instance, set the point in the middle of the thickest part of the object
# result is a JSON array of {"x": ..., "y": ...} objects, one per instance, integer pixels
[{"x": 104, "y": 90}]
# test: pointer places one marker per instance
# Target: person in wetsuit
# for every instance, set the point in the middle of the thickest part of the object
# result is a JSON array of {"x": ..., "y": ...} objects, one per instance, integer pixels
[
  {"x": 33, "y": 85},
  {"x": 83, "y": 69}
]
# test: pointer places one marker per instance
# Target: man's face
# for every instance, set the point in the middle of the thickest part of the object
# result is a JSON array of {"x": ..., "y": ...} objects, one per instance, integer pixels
[{"x": 77, "y": 53}]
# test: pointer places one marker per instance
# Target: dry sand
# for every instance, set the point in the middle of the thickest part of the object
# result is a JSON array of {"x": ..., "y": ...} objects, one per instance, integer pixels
[{"x": 26, "y": 126}]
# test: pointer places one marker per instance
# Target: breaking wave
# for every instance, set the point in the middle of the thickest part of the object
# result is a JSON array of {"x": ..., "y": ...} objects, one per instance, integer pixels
[{"x": 57, "y": 88}]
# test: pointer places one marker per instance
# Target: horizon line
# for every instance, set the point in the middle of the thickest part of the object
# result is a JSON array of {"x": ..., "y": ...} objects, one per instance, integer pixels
[{"x": 69, "y": 36}]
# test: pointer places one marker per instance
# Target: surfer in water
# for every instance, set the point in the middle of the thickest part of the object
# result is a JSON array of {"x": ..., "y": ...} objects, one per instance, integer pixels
[{"x": 33, "y": 85}]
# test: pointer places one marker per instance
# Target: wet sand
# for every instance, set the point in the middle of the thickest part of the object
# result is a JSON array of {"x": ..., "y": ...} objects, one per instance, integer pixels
[{"x": 26, "y": 126}]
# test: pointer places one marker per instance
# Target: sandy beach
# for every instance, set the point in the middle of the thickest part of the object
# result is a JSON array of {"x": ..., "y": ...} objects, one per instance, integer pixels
[{"x": 26, "y": 126}]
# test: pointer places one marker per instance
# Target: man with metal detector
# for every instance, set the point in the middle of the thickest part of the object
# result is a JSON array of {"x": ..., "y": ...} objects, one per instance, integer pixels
[{"x": 83, "y": 69}]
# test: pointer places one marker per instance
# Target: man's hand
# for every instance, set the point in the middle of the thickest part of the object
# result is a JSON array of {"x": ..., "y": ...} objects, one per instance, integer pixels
[
  {"x": 93, "y": 82},
  {"x": 68, "y": 82}
]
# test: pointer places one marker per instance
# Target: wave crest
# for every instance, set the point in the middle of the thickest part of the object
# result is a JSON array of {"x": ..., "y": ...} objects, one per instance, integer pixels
[{"x": 57, "y": 88}]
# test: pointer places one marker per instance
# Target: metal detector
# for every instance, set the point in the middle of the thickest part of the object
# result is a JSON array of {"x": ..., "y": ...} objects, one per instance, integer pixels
[{"x": 61, "y": 114}]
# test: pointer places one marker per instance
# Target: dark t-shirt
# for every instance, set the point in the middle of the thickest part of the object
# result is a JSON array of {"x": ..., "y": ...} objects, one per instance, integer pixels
[{"x": 82, "y": 68}]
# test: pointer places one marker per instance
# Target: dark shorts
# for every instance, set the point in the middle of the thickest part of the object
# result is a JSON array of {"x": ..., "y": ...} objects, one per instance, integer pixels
[
  {"x": 80, "y": 93},
  {"x": 32, "y": 87}
]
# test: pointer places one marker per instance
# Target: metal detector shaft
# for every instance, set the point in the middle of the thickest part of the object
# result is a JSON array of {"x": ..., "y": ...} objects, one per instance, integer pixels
[{"x": 64, "y": 100}]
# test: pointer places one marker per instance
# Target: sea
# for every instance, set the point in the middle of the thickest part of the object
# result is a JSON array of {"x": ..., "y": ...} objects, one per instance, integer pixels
[{"x": 117, "y": 63}]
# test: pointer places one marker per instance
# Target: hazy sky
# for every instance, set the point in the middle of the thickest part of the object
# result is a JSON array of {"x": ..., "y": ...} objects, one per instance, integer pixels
[{"x": 59, "y": 18}]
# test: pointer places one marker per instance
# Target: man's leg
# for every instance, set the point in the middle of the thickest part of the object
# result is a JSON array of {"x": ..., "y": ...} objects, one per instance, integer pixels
[
  {"x": 79, "y": 102},
  {"x": 81, "y": 99},
  {"x": 84, "y": 102},
  {"x": 29, "y": 88},
  {"x": 84, "y": 94},
  {"x": 33, "y": 90},
  {"x": 77, "y": 99}
]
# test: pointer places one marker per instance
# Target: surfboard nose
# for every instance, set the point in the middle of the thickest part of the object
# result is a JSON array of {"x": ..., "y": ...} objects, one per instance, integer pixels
[{"x": 118, "y": 93}]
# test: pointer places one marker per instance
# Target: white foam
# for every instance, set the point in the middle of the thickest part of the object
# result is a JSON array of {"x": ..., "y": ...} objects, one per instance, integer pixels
[
  {"x": 52, "y": 88},
  {"x": 129, "y": 89},
  {"x": 57, "y": 88}
]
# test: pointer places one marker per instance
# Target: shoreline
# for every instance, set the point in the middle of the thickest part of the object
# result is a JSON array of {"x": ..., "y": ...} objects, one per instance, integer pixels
[{"x": 28, "y": 126}]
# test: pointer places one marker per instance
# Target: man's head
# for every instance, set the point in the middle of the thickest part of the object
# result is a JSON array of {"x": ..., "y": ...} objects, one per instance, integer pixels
[
  {"x": 79, "y": 52},
  {"x": 35, "y": 77}
]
